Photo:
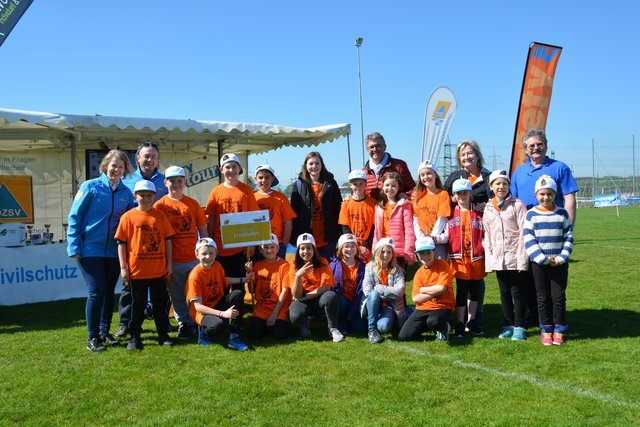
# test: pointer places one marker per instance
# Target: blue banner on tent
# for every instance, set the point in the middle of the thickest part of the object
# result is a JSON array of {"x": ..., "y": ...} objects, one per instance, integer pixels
[
  {"x": 609, "y": 200},
  {"x": 10, "y": 13}
]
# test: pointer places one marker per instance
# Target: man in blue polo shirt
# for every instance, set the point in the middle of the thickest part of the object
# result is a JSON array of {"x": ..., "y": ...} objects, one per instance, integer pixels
[{"x": 525, "y": 176}]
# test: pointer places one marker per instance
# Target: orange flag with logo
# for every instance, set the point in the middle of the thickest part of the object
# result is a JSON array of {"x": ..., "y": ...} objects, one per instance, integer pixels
[{"x": 535, "y": 98}]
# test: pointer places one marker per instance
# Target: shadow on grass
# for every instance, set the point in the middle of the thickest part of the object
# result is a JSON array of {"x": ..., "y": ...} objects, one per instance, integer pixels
[
  {"x": 603, "y": 323},
  {"x": 42, "y": 316}
]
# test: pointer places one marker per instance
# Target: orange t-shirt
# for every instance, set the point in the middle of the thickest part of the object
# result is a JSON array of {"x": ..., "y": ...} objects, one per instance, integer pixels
[
  {"x": 279, "y": 208},
  {"x": 207, "y": 286},
  {"x": 386, "y": 216},
  {"x": 144, "y": 234},
  {"x": 321, "y": 276},
  {"x": 429, "y": 207},
  {"x": 317, "y": 220},
  {"x": 224, "y": 200},
  {"x": 185, "y": 215},
  {"x": 359, "y": 216},
  {"x": 464, "y": 268},
  {"x": 349, "y": 276},
  {"x": 270, "y": 280},
  {"x": 437, "y": 274}
]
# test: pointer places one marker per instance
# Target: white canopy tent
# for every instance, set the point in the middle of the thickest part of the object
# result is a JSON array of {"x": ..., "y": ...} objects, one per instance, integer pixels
[{"x": 50, "y": 147}]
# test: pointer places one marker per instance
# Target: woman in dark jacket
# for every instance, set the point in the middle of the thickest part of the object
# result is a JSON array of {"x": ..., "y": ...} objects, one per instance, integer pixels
[
  {"x": 316, "y": 200},
  {"x": 470, "y": 160}
]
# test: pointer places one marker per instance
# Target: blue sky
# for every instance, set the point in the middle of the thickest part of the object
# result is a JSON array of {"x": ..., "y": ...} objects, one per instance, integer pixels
[{"x": 294, "y": 63}]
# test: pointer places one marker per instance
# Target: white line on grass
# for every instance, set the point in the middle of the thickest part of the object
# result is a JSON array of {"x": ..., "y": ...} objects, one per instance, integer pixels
[{"x": 602, "y": 397}]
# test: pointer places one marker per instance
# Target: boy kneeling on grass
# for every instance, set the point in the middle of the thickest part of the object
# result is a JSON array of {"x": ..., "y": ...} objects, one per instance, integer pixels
[
  {"x": 432, "y": 293},
  {"x": 209, "y": 303}
]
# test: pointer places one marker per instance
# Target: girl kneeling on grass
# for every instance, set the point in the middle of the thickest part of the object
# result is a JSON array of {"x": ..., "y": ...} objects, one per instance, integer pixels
[
  {"x": 548, "y": 240},
  {"x": 464, "y": 234},
  {"x": 383, "y": 287},
  {"x": 311, "y": 280},
  {"x": 348, "y": 271},
  {"x": 504, "y": 217}
]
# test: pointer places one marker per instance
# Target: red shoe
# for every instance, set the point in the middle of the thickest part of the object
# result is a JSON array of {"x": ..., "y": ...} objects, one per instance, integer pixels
[{"x": 558, "y": 338}]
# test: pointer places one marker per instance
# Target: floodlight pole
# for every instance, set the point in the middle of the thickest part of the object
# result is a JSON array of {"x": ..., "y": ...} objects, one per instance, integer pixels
[{"x": 359, "y": 41}]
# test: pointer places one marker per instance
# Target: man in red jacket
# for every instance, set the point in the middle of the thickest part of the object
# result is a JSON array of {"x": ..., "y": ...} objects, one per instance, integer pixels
[{"x": 380, "y": 162}]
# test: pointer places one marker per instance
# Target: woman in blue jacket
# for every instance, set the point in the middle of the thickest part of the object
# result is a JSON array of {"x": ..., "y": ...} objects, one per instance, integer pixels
[{"x": 93, "y": 220}]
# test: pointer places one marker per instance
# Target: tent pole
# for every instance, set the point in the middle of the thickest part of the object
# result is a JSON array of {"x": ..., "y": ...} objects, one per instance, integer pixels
[
  {"x": 219, "y": 156},
  {"x": 74, "y": 179},
  {"x": 349, "y": 152}
]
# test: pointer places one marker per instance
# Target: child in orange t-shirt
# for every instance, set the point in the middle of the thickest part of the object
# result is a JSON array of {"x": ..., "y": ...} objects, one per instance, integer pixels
[
  {"x": 281, "y": 213},
  {"x": 310, "y": 280},
  {"x": 348, "y": 270},
  {"x": 230, "y": 196},
  {"x": 187, "y": 218},
  {"x": 357, "y": 214},
  {"x": 210, "y": 304},
  {"x": 144, "y": 251},
  {"x": 432, "y": 293},
  {"x": 272, "y": 296},
  {"x": 431, "y": 207},
  {"x": 464, "y": 233}
]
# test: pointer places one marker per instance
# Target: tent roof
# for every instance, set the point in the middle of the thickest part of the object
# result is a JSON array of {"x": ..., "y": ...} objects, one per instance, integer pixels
[{"x": 29, "y": 130}]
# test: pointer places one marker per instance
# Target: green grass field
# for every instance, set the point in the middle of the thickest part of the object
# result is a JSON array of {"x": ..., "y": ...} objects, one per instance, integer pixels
[{"x": 48, "y": 377}]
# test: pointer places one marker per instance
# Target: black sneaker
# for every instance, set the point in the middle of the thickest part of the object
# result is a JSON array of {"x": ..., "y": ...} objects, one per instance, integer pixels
[
  {"x": 185, "y": 332},
  {"x": 165, "y": 342},
  {"x": 474, "y": 328},
  {"x": 109, "y": 340},
  {"x": 95, "y": 346},
  {"x": 135, "y": 344},
  {"x": 122, "y": 332},
  {"x": 375, "y": 337},
  {"x": 459, "y": 331}
]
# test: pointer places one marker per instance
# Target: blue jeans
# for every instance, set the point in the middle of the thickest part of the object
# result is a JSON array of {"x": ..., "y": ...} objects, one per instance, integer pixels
[
  {"x": 357, "y": 324},
  {"x": 378, "y": 317},
  {"x": 101, "y": 275}
]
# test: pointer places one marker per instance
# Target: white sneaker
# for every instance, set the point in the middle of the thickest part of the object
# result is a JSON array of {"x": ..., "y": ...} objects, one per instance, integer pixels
[
  {"x": 443, "y": 335},
  {"x": 336, "y": 335}
]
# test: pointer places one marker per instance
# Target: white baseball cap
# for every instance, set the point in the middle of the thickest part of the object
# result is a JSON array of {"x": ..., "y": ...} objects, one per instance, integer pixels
[
  {"x": 545, "y": 181},
  {"x": 498, "y": 174},
  {"x": 173, "y": 171},
  {"x": 274, "y": 239},
  {"x": 206, "y": 241},
  {"x": 347, "y": 238},
  {"x": 357, "y": 174},
  {"x": 427, "y": 165},
  {"x": 266, "y": 167},
  {"x": 144, "y": 185},
  {"x": 425, "y": 243},
  {"x": 305, "y": 238},
  {"x": 230, "y": 157},
  {"x": 461, "y": 185},
  {"x": 385, "y": 241}
]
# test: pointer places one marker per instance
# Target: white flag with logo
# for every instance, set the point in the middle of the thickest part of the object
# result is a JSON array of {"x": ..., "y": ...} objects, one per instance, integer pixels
[{"x": 438, "y": 116}]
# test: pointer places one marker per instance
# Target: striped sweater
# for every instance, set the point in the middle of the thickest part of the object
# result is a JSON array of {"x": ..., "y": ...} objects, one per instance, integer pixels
[{"x": 546, "y": 234}]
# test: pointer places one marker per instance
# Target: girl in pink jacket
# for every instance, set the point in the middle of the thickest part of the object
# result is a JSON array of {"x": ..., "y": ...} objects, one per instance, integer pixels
[
  {"x": 394, "y": 219},
  {"x": 504, "y": 252}
]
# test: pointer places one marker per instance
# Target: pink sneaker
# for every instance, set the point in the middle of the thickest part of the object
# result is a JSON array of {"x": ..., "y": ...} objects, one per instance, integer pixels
[
  {"x": 546, "y": 337},
  {"x": 558, "y": 338}
]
